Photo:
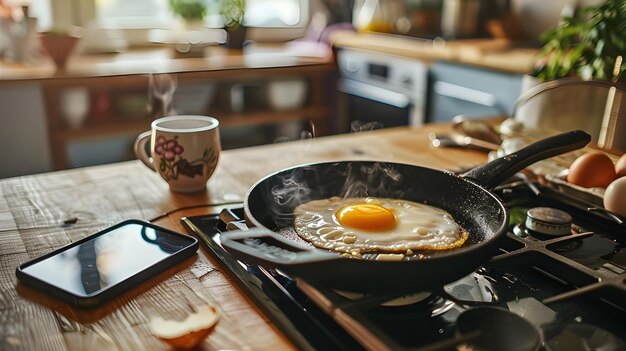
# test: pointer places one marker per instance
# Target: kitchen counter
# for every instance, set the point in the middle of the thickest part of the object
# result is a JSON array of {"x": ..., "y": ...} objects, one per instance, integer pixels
[
  {"x": 33, "y": 210},
  {"x": 497, "y": 54},
  {"x": 165, "y": 60}
]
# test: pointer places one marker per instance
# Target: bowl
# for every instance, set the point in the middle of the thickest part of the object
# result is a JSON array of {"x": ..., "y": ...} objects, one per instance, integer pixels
[{"x": 287, "y": 94}]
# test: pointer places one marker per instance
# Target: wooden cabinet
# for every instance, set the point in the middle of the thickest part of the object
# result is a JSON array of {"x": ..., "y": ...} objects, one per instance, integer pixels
[{"x": 101, "y": 108}]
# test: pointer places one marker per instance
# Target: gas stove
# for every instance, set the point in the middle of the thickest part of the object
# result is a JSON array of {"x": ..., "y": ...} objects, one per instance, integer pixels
[{"x": 559, "y": 283}]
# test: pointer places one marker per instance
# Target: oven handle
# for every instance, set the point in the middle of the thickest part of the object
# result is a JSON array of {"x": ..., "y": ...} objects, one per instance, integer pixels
[
  {"x": 374, "y": 93},
  {"x": 465, "y": 94}
]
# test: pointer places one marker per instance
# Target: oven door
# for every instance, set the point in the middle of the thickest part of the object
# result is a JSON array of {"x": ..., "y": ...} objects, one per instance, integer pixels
[{"x": 365, "y": 103}]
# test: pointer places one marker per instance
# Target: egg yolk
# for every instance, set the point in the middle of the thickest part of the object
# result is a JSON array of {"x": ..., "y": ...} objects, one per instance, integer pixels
[{"x": 367, "y": 217}]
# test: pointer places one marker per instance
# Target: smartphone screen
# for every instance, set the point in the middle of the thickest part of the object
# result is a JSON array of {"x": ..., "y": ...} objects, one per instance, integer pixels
[{"x": 107, "y": 258}]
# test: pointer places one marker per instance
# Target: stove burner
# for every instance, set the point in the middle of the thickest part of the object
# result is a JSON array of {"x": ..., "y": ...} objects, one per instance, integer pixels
[
  {"x": 498, "y": 329},
  {"x": 549, "y": 221},
  {"x": 579, "y": 337}
]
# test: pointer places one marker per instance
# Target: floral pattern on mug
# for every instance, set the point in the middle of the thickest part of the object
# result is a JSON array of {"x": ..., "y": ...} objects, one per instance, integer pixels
[{"x": 173, "y": 164}]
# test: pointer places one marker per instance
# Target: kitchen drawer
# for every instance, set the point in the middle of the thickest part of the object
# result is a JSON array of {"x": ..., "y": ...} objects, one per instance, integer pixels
[{"x": 456, "y": 89}]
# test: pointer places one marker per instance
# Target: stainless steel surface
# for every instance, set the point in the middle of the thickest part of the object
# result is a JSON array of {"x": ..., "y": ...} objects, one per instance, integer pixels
[
  {"x": 597, "y": 107},
  {"x": 465, "y": 94},
  {"x": 459, "y": 140},
  {"x": 374, "y": 93},
  {"x": 477, "y": 129},
  {"x": 388, "y": 82},
  {"x": 460, "y": 18},
  {"x": 549, "y": 221}
]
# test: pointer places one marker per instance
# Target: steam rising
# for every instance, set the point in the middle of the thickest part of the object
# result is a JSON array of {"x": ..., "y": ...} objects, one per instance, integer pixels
[
  {"x": 359, "y": 126},
  {"x": 292, "y": 188},
  {"x": 304, "y": 135},
  {"x": 161, "y": 89},
  {"x": 369, "y": 180},
  {"x": 290, "y": 191},
  {"x": 350, "y": 179}
]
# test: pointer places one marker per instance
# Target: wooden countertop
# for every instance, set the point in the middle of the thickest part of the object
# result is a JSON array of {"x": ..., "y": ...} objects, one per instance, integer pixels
[
  {"x": 164, "y": 60},
  {"x": 497, "y": 54},
  {"x": 33, "y": 210}
]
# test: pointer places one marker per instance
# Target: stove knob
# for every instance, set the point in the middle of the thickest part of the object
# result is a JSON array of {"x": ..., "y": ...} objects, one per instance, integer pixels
[
  {"x": 352, "y": 67},
  {"x": 549, "y": 221}
]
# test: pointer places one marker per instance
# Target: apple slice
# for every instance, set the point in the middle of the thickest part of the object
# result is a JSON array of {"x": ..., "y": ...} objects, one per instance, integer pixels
[{"x": 186, "y": 334}]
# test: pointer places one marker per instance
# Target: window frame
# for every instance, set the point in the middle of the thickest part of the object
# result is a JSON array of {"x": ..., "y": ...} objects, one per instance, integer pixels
[{"x": 66, "y": 13}]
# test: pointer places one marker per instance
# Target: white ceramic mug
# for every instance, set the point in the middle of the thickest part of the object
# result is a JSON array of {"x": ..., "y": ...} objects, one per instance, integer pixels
[{"x": 184, "y": 149}]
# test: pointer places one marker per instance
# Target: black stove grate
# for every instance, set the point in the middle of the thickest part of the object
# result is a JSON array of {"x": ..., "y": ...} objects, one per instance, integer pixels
[
  {"x": 273, "y": 293},
  {"x": 572, "y": 287}
]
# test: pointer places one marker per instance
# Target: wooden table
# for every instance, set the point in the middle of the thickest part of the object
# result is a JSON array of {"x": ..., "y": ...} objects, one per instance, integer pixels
[{"x": 33, "y": 210}]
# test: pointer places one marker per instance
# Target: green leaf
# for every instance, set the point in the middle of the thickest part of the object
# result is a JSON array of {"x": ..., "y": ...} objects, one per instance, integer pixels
[
  {"x": 599, "y": 47},
  {"x": 585, "y": 44},
  {"x": 189, "y": 9}
]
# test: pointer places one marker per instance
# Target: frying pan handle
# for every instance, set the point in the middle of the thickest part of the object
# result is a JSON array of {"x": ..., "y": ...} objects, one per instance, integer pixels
[
  {"x": 266, "y": 248},
  {"x": 497, "y": 171}
]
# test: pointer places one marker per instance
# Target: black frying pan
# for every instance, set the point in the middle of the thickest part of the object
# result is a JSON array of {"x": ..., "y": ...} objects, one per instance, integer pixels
[{"x": 270, "y": 203}]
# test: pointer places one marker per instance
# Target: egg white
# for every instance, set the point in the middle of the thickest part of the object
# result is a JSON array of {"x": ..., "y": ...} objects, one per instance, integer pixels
[{"x": 418, "y": 227}]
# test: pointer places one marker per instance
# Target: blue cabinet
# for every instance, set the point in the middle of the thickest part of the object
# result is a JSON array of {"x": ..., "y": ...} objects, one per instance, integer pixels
[{"x": 456, "y": 89}]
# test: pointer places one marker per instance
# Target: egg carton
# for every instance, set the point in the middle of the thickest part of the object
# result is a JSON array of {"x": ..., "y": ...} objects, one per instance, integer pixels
[
  {"x": 589, "y": 199},
  {"x": 553, "y": 172},
  {"x": 593, "y": 196}
]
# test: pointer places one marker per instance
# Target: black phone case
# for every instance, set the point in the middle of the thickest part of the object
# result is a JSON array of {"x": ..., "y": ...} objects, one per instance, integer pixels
[{"x": 114, "y": 290}]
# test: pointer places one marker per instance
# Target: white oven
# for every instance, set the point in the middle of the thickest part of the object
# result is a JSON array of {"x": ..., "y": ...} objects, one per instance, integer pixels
[{"x": 382, "y": 88}]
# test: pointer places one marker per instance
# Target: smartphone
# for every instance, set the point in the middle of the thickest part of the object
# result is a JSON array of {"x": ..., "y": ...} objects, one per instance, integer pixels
[{"x": 103, "y": 265}]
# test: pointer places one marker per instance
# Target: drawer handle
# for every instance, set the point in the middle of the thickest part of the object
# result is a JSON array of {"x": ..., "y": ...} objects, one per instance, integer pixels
[
  {"x": 374, "y": 93},
  {"x": 466, "y": 94}
]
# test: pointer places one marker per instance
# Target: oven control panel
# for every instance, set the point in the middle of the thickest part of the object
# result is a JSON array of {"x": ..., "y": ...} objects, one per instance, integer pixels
[
  {"x": 382, "y": 88},
  {"x": 384, "y": 70}
]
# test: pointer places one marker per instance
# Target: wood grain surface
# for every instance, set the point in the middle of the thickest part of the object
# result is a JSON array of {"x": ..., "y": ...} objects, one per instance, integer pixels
[
  {"x": 497, "y": 54},
  {"x": 222, "y": 61},
  {"x": 34, "y": 211}
]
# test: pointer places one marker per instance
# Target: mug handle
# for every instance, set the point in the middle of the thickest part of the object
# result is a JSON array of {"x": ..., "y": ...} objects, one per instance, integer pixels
[{"x": 140, "y": 149}]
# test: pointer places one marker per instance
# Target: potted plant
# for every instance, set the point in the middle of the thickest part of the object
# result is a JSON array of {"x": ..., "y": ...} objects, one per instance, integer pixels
[
  {"x": 191, "y": 11},
  {"x": 232, "y": 12},
  {"x": 588, "y": 45}
]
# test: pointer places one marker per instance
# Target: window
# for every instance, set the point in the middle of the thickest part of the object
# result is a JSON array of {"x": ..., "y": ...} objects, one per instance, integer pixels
[
  {"x": 268, "y": 20},
  {"x": 133, "y": 13},
  {"x": 276, "y": 13},
  {"x": 156, "y": 13}
]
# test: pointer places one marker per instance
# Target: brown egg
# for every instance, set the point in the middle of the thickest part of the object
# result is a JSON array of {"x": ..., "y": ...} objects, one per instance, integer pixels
[
  {"x": 594, "y": 169},
  {"x": 620, "y": 166}
]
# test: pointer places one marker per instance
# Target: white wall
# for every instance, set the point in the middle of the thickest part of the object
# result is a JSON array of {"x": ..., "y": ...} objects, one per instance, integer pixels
[{"x": 23, "y": 133}]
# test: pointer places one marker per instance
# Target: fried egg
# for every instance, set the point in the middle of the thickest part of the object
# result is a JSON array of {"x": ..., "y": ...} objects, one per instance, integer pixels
[{"x": 361, "y": 225}]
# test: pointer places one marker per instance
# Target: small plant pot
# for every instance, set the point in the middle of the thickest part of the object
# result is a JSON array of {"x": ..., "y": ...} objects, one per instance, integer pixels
[
  {"x": 59, "y": 47},
  {"x": 236, "y": 37}
]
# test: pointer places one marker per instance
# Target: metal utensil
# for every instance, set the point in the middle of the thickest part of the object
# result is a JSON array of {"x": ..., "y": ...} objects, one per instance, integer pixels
[
  {"x": 476, "y": 129},
  {"x": 458, "y": 140}
]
